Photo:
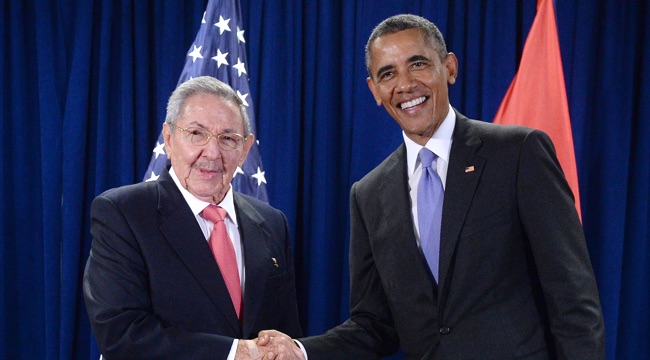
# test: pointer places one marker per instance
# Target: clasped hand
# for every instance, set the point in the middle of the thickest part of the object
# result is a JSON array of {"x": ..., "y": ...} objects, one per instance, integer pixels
[{"x": 270, "y": 345}]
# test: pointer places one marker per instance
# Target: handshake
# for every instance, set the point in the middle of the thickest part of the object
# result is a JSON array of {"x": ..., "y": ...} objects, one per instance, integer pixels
[{"x": 269, "y": 345}]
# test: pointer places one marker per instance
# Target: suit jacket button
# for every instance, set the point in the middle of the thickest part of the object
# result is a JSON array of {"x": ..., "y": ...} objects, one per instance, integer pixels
[{"x": 445, "y": 330}]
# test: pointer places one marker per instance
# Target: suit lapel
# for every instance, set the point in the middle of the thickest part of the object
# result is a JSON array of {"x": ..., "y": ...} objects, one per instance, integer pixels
[
  {"x": 397, "y": 211},
  {"x": 181, "y": 230},
  {"x": 255, "y": 241},
  {"x": 463, "y": 174}
]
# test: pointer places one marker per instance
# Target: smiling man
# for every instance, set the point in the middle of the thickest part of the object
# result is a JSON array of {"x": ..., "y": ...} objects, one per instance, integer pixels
[
  {"x": 464, "y": 242},
  {"x": 182, "y": 267},
  {"x": 410, "y": 81}
]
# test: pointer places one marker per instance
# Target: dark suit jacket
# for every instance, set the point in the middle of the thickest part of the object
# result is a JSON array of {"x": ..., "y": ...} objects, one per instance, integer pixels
[
  {"x": 153, "y": 289},
  {"x": 515, "y": 277}
]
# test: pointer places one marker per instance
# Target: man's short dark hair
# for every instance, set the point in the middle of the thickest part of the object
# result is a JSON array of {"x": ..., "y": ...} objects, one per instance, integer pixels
[{"x": 403, "y": 22}]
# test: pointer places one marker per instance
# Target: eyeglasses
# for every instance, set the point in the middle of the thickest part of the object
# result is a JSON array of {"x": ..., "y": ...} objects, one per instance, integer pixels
[{"x": 200, "y": 137}]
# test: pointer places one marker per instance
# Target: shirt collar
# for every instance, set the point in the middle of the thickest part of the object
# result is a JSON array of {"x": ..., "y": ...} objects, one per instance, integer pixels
[
  {"x": 439, "y": 143},
  {"x": 197, "y": 205}
]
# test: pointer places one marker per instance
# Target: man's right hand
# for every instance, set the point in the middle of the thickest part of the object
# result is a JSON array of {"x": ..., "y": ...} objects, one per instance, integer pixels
[{"x": 278, "y": 346}]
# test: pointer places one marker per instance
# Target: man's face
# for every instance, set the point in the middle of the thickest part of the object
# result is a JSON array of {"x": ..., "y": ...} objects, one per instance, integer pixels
[
  {"x": 206, "y": 171},
  {"x": 411, "y": 82}
]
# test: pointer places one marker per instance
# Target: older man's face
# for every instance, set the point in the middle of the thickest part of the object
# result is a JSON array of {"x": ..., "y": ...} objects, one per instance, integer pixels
[{"x": 206, "y": 170}]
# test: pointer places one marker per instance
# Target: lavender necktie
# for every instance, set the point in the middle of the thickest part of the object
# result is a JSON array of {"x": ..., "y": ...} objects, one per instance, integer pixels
[{"x": 430, "y": 196}]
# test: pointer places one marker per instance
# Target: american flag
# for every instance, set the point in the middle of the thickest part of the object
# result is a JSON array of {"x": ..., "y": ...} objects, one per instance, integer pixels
[{"x": 219, "y": 51}]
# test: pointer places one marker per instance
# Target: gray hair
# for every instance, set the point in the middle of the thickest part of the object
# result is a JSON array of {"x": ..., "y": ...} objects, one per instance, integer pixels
[
  {"x": 401, "y": 22},
  {"x": 208, "y": 85}
]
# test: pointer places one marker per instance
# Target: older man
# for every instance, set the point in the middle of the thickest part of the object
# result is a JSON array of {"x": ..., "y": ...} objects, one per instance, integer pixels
[{"x": 182, "y": 267}]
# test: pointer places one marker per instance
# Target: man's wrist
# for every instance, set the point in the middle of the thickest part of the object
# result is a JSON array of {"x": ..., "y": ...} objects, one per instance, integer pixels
[
  {"x": 246, "y": 349},
  {"x": 302, "y": 348},
  {"x": 241, "y": 350}
]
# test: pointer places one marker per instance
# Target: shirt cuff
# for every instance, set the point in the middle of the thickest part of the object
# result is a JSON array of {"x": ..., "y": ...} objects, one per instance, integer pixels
[
  {"x": 302, "y": 348},
  {"x": 233, "y": 350}
]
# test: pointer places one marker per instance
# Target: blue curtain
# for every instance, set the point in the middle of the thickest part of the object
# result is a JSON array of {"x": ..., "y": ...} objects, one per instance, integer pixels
[{"x": 84, "y": 88}]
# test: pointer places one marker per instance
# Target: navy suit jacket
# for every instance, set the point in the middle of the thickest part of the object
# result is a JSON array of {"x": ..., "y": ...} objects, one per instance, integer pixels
[
  {"x": 516, "y": 281},
  {"x": 153, "y": 289}
]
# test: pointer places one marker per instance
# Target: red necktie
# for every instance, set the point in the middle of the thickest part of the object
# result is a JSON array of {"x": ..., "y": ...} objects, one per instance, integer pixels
[{"x": 224, "y": 253}]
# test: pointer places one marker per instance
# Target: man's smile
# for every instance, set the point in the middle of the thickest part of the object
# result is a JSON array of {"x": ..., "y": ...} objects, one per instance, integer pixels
[{"x": 413, "y": 103}]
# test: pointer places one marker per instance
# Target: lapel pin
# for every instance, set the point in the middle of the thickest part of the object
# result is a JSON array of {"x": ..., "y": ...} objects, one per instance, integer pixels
[
  {"x": 275, "y": 262},
  {"x": 469, "y": 169}
]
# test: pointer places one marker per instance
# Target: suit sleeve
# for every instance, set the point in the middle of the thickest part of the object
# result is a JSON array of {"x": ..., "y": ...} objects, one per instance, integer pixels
[
  {"x": 548, "y": 214},
  {"x": 369, "y": 333},
  {"x": 118, "y": 297},
  {"x": 290, "y": 322}
]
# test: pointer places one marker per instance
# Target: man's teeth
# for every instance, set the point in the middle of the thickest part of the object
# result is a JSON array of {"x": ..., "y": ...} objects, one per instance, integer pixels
[{"x": 413, "y": 103}]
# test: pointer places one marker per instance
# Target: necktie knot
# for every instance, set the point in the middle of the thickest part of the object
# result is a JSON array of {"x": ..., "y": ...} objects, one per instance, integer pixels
[
  {"x": 214, "y": 213},
  {"x": 426, "y": 157}
]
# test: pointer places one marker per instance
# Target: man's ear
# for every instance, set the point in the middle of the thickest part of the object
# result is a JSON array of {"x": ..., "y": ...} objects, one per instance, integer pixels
[
  {"x": 166, "y": 131},
  {"x": 374, "y": 90},
  {"x": 451, "y": 63}
]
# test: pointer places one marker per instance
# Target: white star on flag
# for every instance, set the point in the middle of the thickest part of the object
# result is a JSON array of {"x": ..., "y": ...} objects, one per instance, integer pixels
[
  {"x": 159, "y": 149},
  {"x": 240, "y": 35},
  {"x": 259, "y": 176},
  {"x": 196, "y": 53},
  {"x": 220, "y": 58},
  {"x": 153, "y": 177},
  {"x": 203, "y": 20},
  {"x": 242, "y": 97},
  {"x": 222, "y": 25},
  {"x": 239, "y": 171},
  {"x": 240, "y": 67}
]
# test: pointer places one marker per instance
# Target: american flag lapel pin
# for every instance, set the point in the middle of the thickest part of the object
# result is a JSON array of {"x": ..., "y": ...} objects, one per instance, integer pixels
[{"x": 469, "y": 169}]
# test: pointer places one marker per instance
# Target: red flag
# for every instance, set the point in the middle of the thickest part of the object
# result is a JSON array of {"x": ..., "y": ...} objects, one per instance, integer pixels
[{"x": 537, "y": 95}]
